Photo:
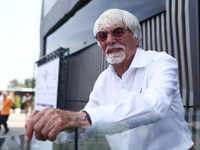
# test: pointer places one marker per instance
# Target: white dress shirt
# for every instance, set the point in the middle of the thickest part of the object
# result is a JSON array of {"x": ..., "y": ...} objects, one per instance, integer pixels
[{"x": 148, "y": 97}]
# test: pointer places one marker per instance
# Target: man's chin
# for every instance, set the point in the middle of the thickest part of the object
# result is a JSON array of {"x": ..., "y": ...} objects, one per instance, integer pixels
[{"x": 115, "y": 60}]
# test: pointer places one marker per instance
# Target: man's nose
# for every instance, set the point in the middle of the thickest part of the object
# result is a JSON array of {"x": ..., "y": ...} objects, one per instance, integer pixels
[{"x": 110, "y": 39}]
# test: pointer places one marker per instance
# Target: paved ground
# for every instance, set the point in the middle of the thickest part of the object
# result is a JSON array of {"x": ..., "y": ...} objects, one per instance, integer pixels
[
  {"x": 16, "y": 123},
  {"x": 14, "y": 140}
]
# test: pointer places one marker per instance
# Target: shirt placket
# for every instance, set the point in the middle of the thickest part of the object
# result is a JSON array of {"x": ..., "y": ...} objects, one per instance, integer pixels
[
  {"x": 122, "y": 87},
  {"x": 124, "y": 137}
]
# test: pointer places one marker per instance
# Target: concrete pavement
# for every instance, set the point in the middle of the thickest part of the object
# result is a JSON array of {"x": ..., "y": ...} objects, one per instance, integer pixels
[{"x": 14, "y": 139}]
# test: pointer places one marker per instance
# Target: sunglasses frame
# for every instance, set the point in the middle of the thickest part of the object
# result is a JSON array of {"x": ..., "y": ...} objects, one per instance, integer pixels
[{"x": 106, "y": 33}]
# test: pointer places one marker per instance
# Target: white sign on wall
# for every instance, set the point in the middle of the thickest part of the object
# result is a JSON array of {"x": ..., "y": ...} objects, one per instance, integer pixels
[{"x": 47, "y": 85}]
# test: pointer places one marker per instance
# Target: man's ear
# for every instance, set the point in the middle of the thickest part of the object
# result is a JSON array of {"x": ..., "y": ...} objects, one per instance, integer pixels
[{"x": 137, "y": 42}]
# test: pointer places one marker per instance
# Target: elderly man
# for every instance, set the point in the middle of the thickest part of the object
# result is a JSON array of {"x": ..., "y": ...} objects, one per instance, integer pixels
[{"x": 139, "y": 86}]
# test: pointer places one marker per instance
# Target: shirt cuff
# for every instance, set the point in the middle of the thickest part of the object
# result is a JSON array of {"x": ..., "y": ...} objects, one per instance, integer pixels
[{"x": 100, "y": 115}]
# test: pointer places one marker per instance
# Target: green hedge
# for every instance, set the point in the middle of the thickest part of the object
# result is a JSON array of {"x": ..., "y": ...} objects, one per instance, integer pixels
[{"x": 18, "y": 100}]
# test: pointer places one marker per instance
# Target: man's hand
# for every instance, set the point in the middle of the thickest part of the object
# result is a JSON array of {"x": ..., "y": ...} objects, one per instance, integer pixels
[{"x": 49, "y": 122}]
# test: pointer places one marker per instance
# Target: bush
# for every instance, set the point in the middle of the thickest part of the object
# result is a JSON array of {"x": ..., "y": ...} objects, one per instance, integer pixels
[{"x": 18, "y": 100}]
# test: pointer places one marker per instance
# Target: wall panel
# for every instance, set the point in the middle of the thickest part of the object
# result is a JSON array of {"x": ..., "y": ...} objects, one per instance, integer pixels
[
  {"x": 84, "y": 68},
  {"x": 170, "y": 32}
]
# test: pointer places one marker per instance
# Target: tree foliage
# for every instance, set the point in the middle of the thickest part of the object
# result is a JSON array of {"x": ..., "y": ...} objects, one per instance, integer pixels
[
  {"x": 16, "y": 84},
  {"x": 28, "y": 83}
]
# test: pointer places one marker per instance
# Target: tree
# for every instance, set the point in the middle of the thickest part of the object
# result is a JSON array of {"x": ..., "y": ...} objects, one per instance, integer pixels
[
  {"x": 28, "y": 83},
  {"x": 15, "y": 84}
]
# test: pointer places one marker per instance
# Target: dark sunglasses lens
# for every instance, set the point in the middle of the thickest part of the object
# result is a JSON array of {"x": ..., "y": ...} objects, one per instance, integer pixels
[
  {"x": 101, "y": 36},
  {"x": 118, "y": 32}
]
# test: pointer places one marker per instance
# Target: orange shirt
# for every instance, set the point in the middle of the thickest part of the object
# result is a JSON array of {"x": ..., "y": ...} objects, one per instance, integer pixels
[{"x": 6, "y": 105}]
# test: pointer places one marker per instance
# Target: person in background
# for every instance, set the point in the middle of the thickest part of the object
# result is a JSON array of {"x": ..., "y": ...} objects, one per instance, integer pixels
[
  {"x": 139, "y": 86},
  {"x": 27, "y": 103},
  {"x": 11, "y": 96},
  {"x": 7, "y": 104},
  {"x": 1, "y": 99}
]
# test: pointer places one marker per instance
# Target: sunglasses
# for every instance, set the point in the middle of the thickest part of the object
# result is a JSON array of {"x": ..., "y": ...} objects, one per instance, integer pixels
[{"x": 117, "y": 33}]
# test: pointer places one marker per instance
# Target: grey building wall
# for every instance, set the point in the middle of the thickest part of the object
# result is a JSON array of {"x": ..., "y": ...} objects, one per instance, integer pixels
[
  {"x": 83, "y": 74},
  {"x": 61, "y": 11}
]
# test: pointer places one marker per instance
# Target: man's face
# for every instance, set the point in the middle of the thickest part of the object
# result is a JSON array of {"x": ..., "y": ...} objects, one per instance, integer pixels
[{"x": 120, "y": 50}]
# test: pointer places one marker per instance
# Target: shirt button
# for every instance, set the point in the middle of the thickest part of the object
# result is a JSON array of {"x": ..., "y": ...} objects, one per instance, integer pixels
[
  {"x": 124, "y": 135},
  {"x": 123, "y": 87}
]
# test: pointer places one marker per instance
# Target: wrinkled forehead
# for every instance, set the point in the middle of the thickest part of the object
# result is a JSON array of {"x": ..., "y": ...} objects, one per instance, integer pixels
[{"x": 110, "y": 26}]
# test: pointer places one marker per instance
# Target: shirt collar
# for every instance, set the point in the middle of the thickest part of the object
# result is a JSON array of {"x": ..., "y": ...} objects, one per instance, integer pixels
[{"x": 140, "y": 59}]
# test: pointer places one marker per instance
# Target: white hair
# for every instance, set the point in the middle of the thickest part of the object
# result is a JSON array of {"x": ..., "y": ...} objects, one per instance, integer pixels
[{"x": 118, "y": 16}]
